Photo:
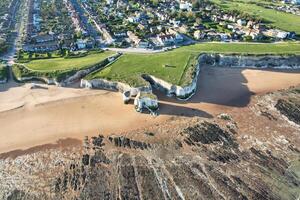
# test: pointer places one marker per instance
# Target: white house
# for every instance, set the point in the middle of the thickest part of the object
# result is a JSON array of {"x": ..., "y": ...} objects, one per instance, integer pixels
[
  {"x": 175, "y": 23},
  {"x": 109, "y": 2},
  {"x": 133, "y": 19},
  {"x": 166, "y": 39},
  {"x": 276, "y": 33},
  {"x": 241, "y": 22},
  {"x": 282, "y": 34},
  {"x": 185, "y": 6},
  {"x": 197, "y": 35}
]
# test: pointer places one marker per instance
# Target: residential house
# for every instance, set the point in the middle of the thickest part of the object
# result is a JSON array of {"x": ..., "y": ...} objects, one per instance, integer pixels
[
  {"x": 133, "y": 38},
  {"x": 241, "y": 22},
  {"x": 143, "y": 44},
  {"x": 81, "y": 44},
  {"x": 184, "y": 5},
  {"x": 275, "y": 33},
  {"x": 43, "y": 38},
  {"x": 166, "y": 39}
]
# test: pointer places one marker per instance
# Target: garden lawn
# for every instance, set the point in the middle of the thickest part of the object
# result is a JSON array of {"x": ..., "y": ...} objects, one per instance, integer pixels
[
  {"x": 177, "y": 66},
  {"x": 61, "y": 64}
]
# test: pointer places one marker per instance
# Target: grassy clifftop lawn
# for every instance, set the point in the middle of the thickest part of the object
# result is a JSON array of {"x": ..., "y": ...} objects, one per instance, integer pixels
[
  {"x": 53, "y": 64},
  {"x": 177, "y": 66},
  {"x": 60, "y": 67}
]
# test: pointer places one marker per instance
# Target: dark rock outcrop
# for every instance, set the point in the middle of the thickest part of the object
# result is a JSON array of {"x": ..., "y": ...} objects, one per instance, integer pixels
[
  {"x": 215, "y": 169},
  {"x": 208, "y": 133},
  {"x": 128, "y": 143},
  {"x": 289, "y": 108}
]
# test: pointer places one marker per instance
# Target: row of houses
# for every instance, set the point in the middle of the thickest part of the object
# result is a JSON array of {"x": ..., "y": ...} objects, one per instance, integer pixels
[{"x": 246, "y": 27}]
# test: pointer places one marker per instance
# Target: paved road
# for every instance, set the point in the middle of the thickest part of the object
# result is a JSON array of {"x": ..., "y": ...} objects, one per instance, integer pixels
[
  {"x": 134, "y": 50},
  {"x": 15, "y": 45}
]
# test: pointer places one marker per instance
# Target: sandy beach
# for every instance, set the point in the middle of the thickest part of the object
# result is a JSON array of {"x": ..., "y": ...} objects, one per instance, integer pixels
[{"x": 31, "y": 117}]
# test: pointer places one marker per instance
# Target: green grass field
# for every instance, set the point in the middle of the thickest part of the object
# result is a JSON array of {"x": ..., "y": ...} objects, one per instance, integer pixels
[
  {"x": 167, "y": 65},
  {"x": 177, "y": 66},
  {"x": 52, "y": 64},
  {"x": 60, "y": 68},
  {"x": 281, "y": 20}
]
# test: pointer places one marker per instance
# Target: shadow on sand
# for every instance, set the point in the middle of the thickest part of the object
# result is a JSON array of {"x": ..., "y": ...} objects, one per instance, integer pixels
[
  {"x": 216, "y": 85},
  {"x": 178, "y": 110}
]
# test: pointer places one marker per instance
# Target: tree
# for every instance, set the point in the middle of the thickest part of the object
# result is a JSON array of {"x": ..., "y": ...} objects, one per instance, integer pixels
[
  {"x": 63, "y": 52},
  {"x": 154, "y": 2},
  {"x": 30, "y": 55},
  {"x": 20, "y": 54},
  {"x": 248, "y": 38}
]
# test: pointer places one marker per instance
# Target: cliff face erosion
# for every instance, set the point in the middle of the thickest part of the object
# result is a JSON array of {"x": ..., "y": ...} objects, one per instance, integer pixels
[{"x": 226, "y": 157}]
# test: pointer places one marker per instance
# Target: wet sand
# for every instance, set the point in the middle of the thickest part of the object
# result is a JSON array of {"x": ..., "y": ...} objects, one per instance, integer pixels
[{"x": 32, "y": 117}]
